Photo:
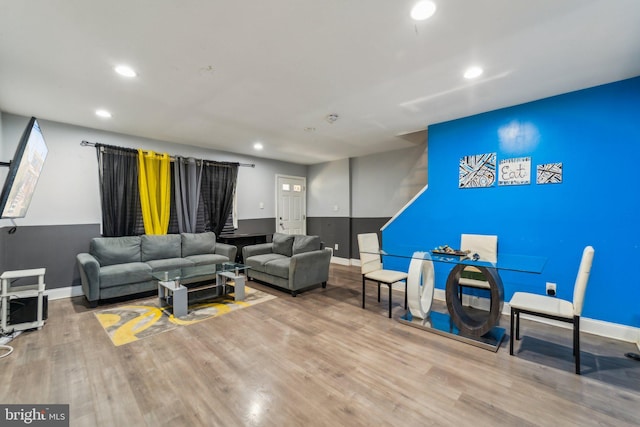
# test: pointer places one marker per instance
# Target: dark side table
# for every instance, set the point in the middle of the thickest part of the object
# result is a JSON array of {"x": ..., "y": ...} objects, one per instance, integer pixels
[{"x": 241, "y": 240}]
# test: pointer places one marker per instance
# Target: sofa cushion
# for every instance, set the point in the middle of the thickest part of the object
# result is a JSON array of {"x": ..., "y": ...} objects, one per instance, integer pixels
[
  {"x": 283, "y": 244},
  {"x": 259, "y": 262},
  {"x": 169, "y": 263},
  {"x": 115, "y": 250},
  {"x": 278, "y": 267},
  {"x": 302, "y": 244},
  {"x": 205, "y": 259},
  {"x": 122, "y": 274},
  {"x": 198, "y": 243},
  {"x": 163, "y": 246}
]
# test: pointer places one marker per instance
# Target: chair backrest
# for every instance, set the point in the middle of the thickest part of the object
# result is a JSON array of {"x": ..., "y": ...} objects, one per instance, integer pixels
[
  {"x": 581, "y": 280},
  {"x": 369, "y": 248},
  {"x": 484, "y": 245}
]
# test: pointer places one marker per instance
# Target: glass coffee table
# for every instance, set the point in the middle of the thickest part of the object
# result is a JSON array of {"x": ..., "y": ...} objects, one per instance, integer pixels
[{"x": 172, "y": 289}]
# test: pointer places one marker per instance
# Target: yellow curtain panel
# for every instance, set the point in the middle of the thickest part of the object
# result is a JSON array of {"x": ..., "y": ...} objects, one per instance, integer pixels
[{"x": 154, "y": 180}]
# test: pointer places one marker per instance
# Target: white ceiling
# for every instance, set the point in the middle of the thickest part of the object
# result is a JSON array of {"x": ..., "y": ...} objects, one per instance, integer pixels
[{"x": 225, "y": 74}]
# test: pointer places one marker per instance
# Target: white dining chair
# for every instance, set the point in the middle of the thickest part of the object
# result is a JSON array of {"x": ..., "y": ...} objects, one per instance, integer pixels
[
  {"x": 371, "y": 267},
  {"x": 486, "y": 248},
  {"x": 555, "y": 308}
]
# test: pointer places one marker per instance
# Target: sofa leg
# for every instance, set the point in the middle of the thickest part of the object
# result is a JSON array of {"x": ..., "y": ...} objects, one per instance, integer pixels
[
  {"x": 324, "y": 284},
  {"x": 294, "y": 293},
  {"x": 93, "y": 304}
]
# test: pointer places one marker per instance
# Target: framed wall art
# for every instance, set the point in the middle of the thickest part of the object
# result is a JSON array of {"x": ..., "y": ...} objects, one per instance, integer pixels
[
  {"x": 516, "y": 171},
  {"x": 549, "y": 173},
  {"x": 477, "y": 171}
]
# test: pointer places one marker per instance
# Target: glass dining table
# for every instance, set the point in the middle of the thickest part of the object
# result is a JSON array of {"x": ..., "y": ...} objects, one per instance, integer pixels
[{"x": 474, "y": 326}]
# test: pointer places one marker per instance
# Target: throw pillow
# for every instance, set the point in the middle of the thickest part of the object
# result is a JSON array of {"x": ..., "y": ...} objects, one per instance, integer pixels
[
  {"x": 158, "y": 246},
  {"x": 302, "y": 244},
  {"x": 283, "y": 244},
  {"x": 116, "y": 250},
  {"x": 198, "y": 243}
]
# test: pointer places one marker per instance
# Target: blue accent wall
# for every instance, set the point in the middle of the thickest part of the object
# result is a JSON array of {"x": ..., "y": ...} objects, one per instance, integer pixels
[{"x": 595, "y": 134}]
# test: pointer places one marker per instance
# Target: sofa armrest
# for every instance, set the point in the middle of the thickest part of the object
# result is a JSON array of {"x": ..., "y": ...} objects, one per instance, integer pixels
[
  {"x": 89, "y": 275},
  {"x": 229, "y": 251},
  {"x": 309, "y": 268},
  {"x": 259, "y": 249}
]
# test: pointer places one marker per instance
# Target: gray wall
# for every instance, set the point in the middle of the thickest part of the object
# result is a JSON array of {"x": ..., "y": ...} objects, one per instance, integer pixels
[
  {"x": 68, "y": 195},
  {"x": 328, "y": 187},
  {"x": 329, "y": 205},
  {"x": 381, "y": 184},
  {"x": 65, "y": 211},
  {"x": 359, "y": 195}
]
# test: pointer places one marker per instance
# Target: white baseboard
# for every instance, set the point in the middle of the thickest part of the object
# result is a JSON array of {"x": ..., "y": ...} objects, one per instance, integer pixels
[
  {"x": 68, "y": 292},
  {"x": 341, "y": 261}
]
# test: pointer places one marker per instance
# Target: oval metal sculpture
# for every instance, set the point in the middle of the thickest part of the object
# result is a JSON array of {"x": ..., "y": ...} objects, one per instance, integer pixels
[
  {"x": 420, "y": 285},
  {"x": 465, "y": 323}
]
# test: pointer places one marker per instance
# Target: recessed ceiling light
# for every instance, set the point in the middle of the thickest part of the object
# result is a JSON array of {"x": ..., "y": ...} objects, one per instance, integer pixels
[
  {"x": 103, "y": 113},
  {"x": 258, "y": 146},
  {"x": 423, "y": 10},
  {"x": 473, "y": 72},
  {"x": 125, "y": 70}
]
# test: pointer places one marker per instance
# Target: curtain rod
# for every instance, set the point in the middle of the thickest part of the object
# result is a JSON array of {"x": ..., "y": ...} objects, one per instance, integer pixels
[{"x": 93, "y": 144}]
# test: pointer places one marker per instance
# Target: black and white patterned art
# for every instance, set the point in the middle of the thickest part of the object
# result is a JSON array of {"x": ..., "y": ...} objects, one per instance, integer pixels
[
  {"x": 549, "y": 173},
  {"x": 477, "y": 171}
]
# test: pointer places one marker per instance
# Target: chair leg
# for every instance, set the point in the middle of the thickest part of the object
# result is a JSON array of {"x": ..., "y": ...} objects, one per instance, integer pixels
[
  {"x": 517, "y": 325},
  {"x": 389, "y": 284},
  {"x": 405, "y": 294},
  {"x": 363, "y": 291},
  {"x": 378, "y": 291},
  {"x": 511, "y": 338},
  {"x": 576, "y": 342}
]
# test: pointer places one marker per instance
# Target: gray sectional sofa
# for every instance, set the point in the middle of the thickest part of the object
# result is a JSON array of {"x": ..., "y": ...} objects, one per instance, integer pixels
[
  {"x": 290, "y": 262},
  {"x": 117, "y": 266}
]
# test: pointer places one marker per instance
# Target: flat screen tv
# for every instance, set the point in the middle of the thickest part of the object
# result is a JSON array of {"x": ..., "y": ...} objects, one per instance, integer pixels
[{"x": 24, "y": 171}]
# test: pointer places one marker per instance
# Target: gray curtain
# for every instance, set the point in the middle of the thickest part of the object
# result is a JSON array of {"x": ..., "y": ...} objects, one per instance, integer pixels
[
  {"x": 187, "y": 179},
  {"x": 121, "y": 213},
  {"x": 218, "y": 187}
]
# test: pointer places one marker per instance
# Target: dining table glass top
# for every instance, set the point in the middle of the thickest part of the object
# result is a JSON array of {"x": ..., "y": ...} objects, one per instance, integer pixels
[{"x": 504, "y": 261}]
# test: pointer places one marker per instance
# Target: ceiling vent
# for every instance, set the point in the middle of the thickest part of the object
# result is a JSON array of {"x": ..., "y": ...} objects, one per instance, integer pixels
[{"x": 332, "y": 118}]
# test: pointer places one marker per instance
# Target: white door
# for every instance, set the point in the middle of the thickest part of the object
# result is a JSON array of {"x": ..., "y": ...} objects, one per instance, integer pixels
[{"x": 291, "y": 206}]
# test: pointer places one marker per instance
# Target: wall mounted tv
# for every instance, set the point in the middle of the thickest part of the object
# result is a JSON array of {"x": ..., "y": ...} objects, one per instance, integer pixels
[{"x": 24, "y": 171}]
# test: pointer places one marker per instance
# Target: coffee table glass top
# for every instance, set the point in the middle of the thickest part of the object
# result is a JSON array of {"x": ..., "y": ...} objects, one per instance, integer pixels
[{"x": 199, "y": 271}]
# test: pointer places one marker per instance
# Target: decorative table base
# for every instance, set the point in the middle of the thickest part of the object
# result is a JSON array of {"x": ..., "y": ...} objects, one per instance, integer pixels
[{"x": 442, "y": 324}]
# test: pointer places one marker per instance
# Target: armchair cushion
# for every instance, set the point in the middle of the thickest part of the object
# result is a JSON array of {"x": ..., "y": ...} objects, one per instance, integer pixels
[
  {"x": 160, "y": 246},
  {"x": 283, "y": 244},
  {"x": 116, "y": 275},
  {"x": 110, "y": 251},
  {"x": 302, "y": 244},
  {"x": 260, "y": 261},
  {"x": 279, "y": 267},
  {"x": 169, "y": 263},
  {"x": 205, "y": 259},
  {"x": 198, "y": 243}
]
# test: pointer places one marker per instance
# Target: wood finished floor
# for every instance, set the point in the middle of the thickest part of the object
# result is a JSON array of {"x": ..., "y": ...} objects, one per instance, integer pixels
[{"x": 316, "y": 360}]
